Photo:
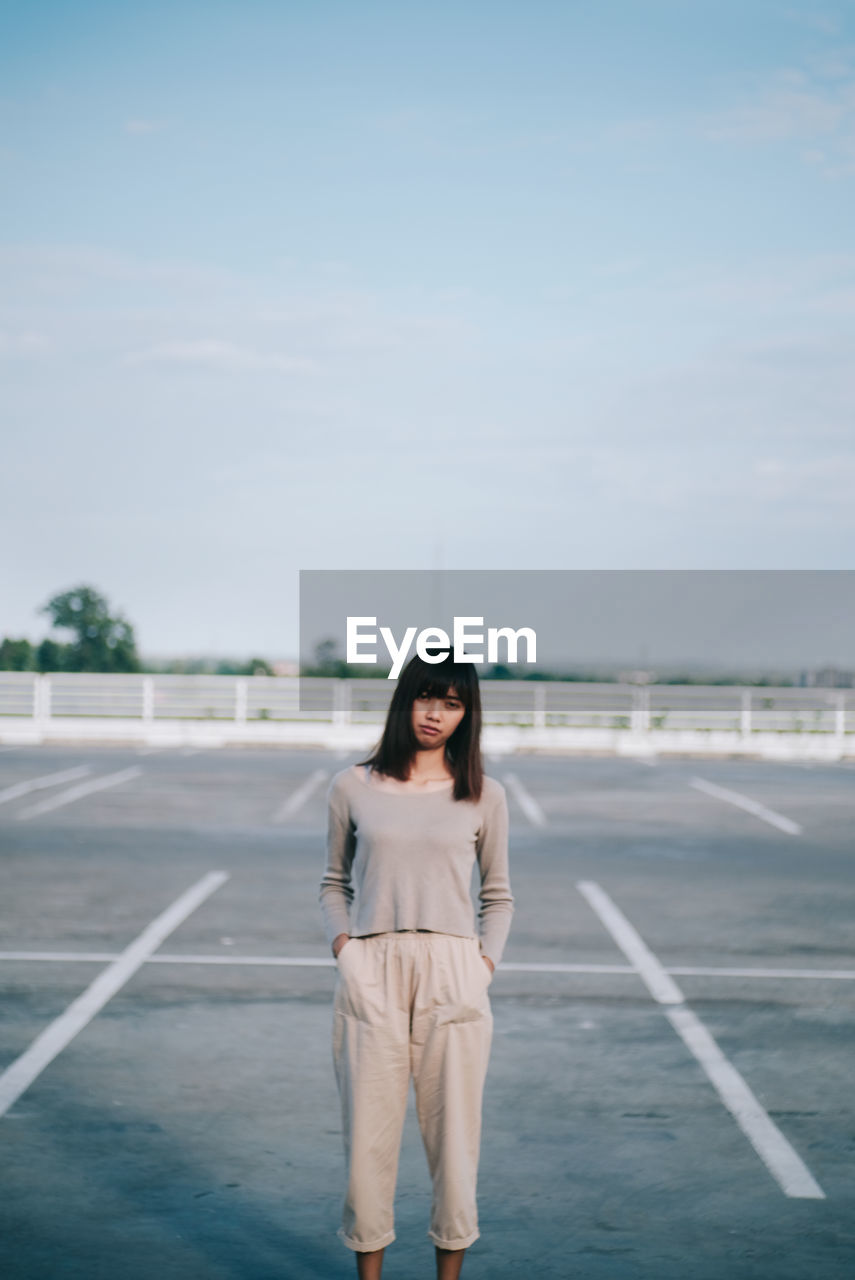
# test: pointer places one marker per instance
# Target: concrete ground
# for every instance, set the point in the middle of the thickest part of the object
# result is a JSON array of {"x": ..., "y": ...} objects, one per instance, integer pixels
[{"x": 186, "y": 1126}]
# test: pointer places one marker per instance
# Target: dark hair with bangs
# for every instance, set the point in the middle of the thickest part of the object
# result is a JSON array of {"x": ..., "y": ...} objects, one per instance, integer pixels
[{"x": 396, "y": 749}]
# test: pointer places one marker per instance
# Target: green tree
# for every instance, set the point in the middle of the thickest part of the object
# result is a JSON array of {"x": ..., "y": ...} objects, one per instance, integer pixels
[
  {"x": 258, "y": 667},
  {"x": 16, "y": 655},
  {"x": 102, "y": 641},
  {"x": 51, "y": 655},
  {"x": 499, "y": 671},
  {"x": 328, "y": 664}
]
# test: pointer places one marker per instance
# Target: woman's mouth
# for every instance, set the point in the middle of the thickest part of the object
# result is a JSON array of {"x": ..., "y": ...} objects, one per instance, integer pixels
[{"x": 426, "y": 728}]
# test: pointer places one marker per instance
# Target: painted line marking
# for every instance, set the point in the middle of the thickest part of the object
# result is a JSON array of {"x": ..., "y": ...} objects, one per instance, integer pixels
[
  {"x": 522, "y": 966},
  {"x": 780, "y": 1158},
  {"x": 750, "y": 806},
  {"x": 526, "y": 801},
  {"x": 692, "y": 971},
  {"x": 299, "y": 797},
  {"x": 65, "y": 957},
  {"x": 78, "y": 792},
  {"x": 46, "y": 780},
  {"x": 29, "y": 1065},
  {"x": 659, "y": 983}
]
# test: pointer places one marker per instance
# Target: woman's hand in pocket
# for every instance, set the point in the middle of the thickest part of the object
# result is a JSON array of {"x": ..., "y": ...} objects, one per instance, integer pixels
[{"x": 340, "y": 941}]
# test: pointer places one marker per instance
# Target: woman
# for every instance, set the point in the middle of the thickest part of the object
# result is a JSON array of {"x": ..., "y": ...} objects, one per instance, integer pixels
[{"x": 405, "y": 829}]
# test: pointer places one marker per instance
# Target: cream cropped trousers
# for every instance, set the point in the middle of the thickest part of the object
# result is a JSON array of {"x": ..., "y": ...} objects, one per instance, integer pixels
[{"x": 411, "y": 1003}]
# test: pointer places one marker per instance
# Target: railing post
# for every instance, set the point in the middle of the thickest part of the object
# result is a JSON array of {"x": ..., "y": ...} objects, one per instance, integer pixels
[
  {"x": 41, "y": 697},
  {"x": 341, "y": 702},
  {"x": 840, "y": 718},
  {"x": 539, "y": 705},
  {"x": 148, "y": 698},
  {"x": 240, "y": 701},
  {"x": 640, "y": 716},
  {"x": 745, "y": 714}
]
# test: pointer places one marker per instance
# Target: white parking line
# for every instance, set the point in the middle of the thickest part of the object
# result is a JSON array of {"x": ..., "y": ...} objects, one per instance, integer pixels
[
  {"x": 526, "y": 801},
  {"x": 19, "y": 789},
  {"x": 521, "y": 966},
  {"x": 783, "y": 1162},
  {"x": 64, "y": 957},
  {"x": 750, "y": 806},
  {"x": 659, "y": 983},
  {"x": 699, "y": 971},
  {"x": 23, "y": 1071},
  {"x": 77, "y": 793},
  {"x": 299, "y": 797}
]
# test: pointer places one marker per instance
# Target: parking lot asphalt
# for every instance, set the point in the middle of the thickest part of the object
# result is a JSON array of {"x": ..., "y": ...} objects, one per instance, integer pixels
[{"x": 185, "y": 1122}]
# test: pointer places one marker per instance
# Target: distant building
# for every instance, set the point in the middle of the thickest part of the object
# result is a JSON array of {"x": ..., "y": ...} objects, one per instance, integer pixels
[
  {"x": 827, "y": 678},
  {"x": 285, "y": 667}
]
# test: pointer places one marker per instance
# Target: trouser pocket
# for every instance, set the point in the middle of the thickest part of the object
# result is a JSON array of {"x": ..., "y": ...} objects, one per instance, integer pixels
[
  {"x": 465, "y": 979},
  {"x": 358, "y": 993}
]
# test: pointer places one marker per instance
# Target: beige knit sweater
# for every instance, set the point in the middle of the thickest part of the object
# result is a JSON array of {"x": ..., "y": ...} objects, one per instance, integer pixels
[{"x": 404, "y": 861}]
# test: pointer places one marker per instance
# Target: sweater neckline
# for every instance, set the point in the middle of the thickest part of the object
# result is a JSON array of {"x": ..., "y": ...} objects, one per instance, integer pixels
[{"x": 435, "y": 791}]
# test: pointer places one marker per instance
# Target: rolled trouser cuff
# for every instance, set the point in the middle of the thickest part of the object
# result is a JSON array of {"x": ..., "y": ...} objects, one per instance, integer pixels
[
  {"x": 463, "y": 1243},
  {"x": 362, "y": 1246}
]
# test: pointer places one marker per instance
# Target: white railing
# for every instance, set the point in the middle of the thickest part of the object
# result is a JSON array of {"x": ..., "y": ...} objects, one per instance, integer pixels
[{"x": 639, "y": 709}]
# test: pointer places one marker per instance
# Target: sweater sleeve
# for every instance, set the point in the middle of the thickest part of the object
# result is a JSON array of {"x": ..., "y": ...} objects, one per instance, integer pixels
[
  {"x": 336, "y": 891},
  {"x": 495, "y": 897}
]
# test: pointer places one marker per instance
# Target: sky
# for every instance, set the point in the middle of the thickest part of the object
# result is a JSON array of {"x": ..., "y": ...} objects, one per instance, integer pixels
[{"x": 464, "y": 285}]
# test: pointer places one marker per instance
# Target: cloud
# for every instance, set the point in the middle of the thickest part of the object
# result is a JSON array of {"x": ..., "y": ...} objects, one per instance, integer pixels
[
  {"x": 834, "y": 64},
  {"x": 790, "y": 108},
  {"x": 827, "y": 23},
  {"x": 22, "y": 344},
  {"x": 139, "y": 126},
  {"x": 829, "y": 479},
  {"x": 208, "y": 353},
  {"x": 56, "y": 269},
  {"x": 617, "y": 267},
  {"x": 106, "y": 308},
  {"x": 797, "y": 106},
  {"x": 636, "y": 129},
  {"x": 809, "y": 284}
]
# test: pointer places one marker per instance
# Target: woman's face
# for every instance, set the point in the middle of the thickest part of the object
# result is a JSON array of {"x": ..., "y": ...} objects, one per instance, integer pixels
[{"x": 435, "y": 719}]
